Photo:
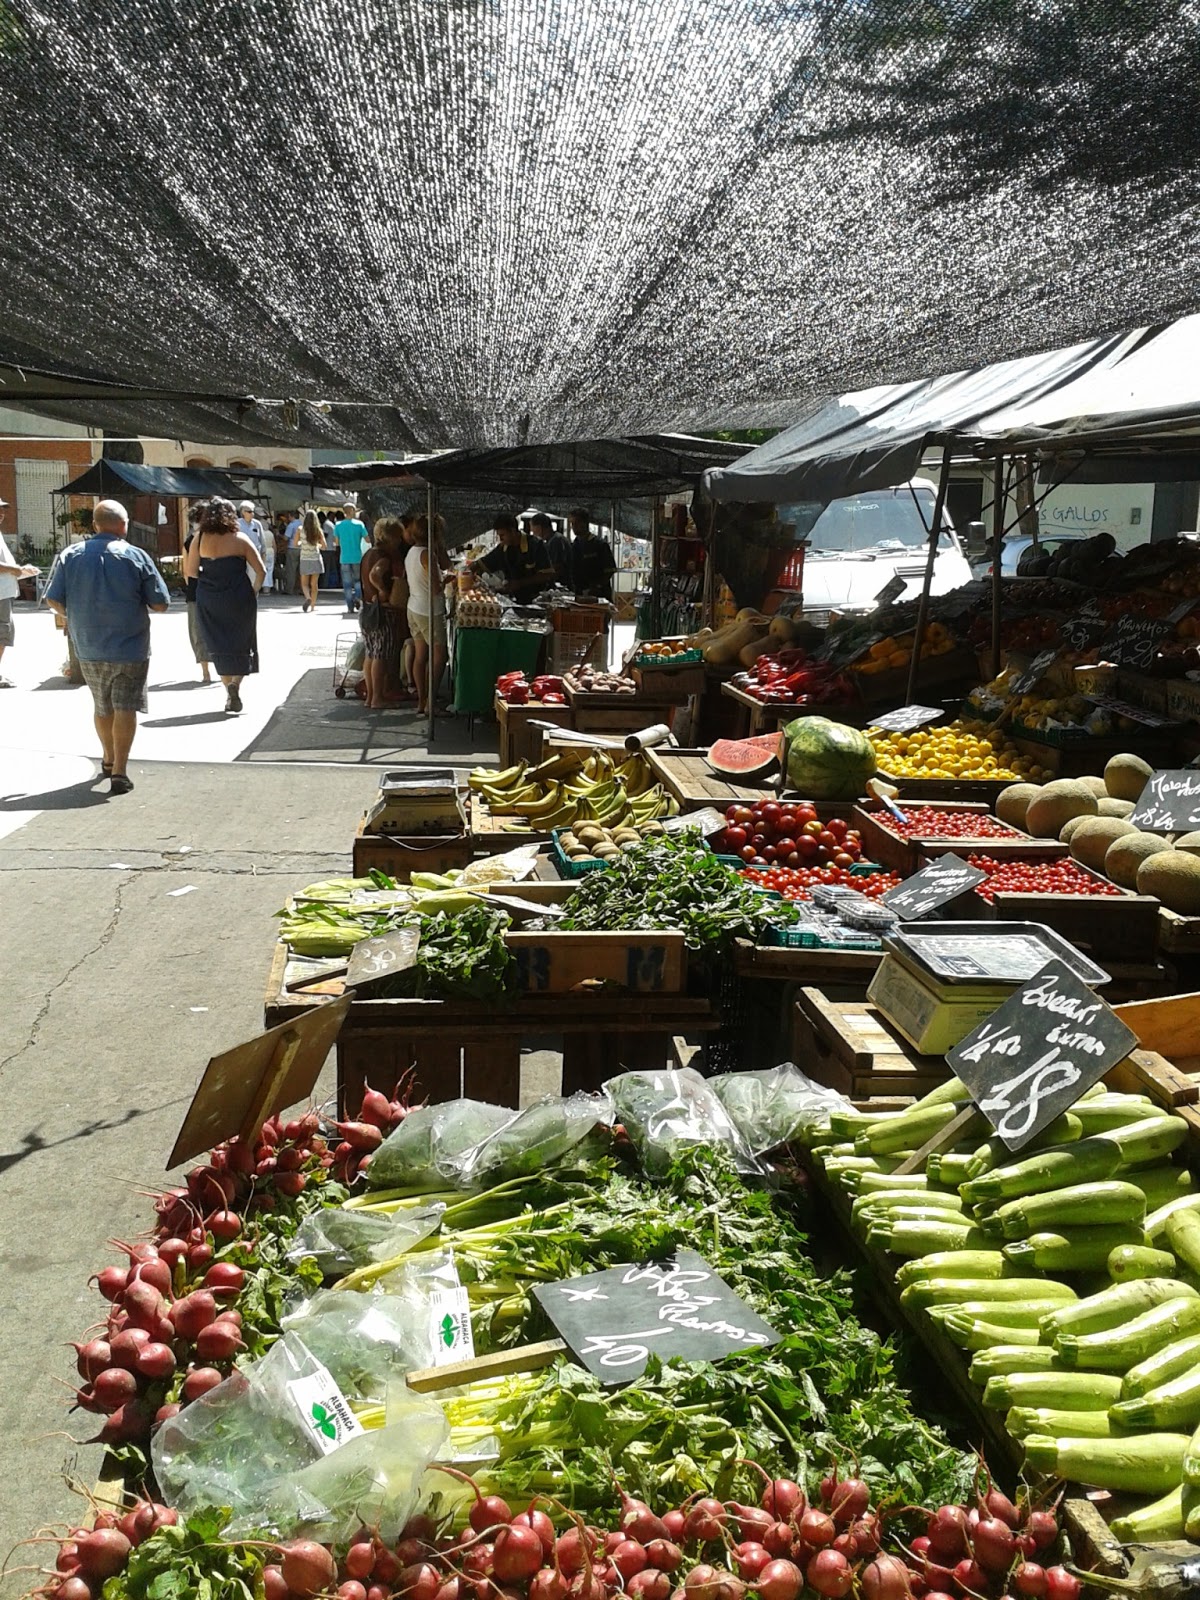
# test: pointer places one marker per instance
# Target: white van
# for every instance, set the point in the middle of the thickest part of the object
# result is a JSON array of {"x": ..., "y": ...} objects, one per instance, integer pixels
[{"x": 856, "y": 546}]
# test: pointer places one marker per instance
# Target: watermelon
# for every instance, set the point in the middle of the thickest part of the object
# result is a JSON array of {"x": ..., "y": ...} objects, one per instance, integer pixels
[
  {"x": 746, "y": 759},
  {"x": 827, "y": 760}
]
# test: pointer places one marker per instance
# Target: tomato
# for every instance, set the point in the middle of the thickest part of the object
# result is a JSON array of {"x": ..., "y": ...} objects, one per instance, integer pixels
[
  {"x": 743, "y": 816},
  {"x": 785, "y": 845},
  {"x": 731, "y": 813},
  {"x": 795, "y": 859},
  {"x": 735, "y": 838},
  {"x": 843, "y": 860},
  {"x": 838, "y": 827},
  {"x": 788, "y": 821},
  {"x": 827, "y": 839},
  {"x": 814, "y": 828},
  {"x": 769, "y": 852},
  {"x": 770, "y": 809},
  {"x": 807, "y": 847},
  {"x": 747, "y": 852}
]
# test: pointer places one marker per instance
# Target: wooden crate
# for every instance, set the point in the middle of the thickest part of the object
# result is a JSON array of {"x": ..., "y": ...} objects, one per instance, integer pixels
[
  {"x": 764, "y": 716},
  {"x": 892, "y": 849},
  {"x": 670, "y": 685},
  {"x": 686, "y": 775},
  {"x": 519, "y": 740},
  {"x": 1121, "y": 924},
  {"x": 1178, "y": 935},
  {"x": 1169, "y": 1031},
  {"x": 850, "y": 1046},
  {"x": 955, "y": 666},
  {"x": 788, "y": 964},
  {"x": 635, "y": 963},
  {"x": 400, "y": 856},
  {"x": 490, "y": 834},
  {"x": 617, "y": 713},
  {"x": 983, "y": 789}
]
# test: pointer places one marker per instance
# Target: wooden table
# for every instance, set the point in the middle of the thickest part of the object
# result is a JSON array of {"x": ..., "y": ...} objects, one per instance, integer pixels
[
  {"x": 686, "y": 775},
  {"x": 760, "y": 716},
  {"x": 850, "y": 1046},
  {"x": 519, "y": 740},
  {"x": 617, "y": 713}
]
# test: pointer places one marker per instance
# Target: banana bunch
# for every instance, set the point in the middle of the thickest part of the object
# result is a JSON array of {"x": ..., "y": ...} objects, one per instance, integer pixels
[{"x": 574, "y": 786}]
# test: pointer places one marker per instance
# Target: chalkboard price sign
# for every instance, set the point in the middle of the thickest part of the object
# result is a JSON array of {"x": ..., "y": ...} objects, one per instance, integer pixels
[
  {"x": 374, "y": 959},
  {"x": 1084, "y": 629},
  {"x": 1042, "y": 1049},
  {"x": 1134, "y": 641},
  {"x": 614, "y": 1321},
  {"x": 892, "y": 590},
  {"x": 1170, "y": 802},
  {"x": 907, "y": 718},
  {"x": 935, "y": 885},
  {"x": 1034, "y": 672},
  {"x": 843, "y": 651}
]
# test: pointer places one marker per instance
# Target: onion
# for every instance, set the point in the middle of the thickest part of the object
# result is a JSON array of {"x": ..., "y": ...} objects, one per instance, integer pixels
[
  {"x": 307, "y": 1567},
  {"x": 779, "y": 1580},
  {"x": 886, "y": 1578},
  {"x": 518, "y": 1554},
  {"x": 629, "y": 1557},
  {"x": 664, "y": 1554},
  {"x": 994, "y": 1545},
  {"x": 1061, "y": 1584},
  {"x": 783, "y": 1499},
  {"x": 830, "y": 1574},
  {"x": 102, "y": 1554}
]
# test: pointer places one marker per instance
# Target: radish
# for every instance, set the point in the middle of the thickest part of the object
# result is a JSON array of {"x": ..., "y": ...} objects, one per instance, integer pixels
[
  {"x": 199, "y": 1381},
  {"x": 629, "y": 1557},
  {"x": 637, "y": 1521},
  {"x": 519, "y": 1554},
  {"x": 573, "y": 1549},
  {"x": 479, "y": 1559},
  {"x": 360, "y": 1558},
  {"x": 192, "y": 1313},
  {"x": 830, "y": 1574},
  {"x": 113, "y": 1387},
  {"x": 452, "y": 1589},
  {"x": 752, "y": 1521},
  {"x": 541, "y": 1525},
  {"x": 92, "y": 1358},
  {"x": 102, "y": 1554},
  {"x": 351, "y": 1590},
  {"x": 274, "y": 1586},
  {"x": 866, "y": 1534},
  {"x": 173, "y": 1251},
  {"x": 155, "y": 1272},
  {"x": 778, "y": 1539},
  {"x": 817, "y": 1528},
  {"x": 994, "y": 1545},
  {"x": 128, "y": 1424},
  {"x": 165, "y": 1413},
  {"x": 779, "y": 1580},
  {"x": 999, "y": 1505},
  {"x": 489, "y": 1511},
  {"x": 155, "y": 1361},
  {"x": 224, "y": 1280},
  {"x": 288, "y": 1160},
  {"x": 1028, "y": 1580},
  {"x": 376, "y": 1109},
  {"x": 947, "y": 1531},
  {"x": 750, "y": 1559},
  {"x": 886, "y": 1579},
  {"x": 1061, "y": 1584},
  {"x": 240, "y": 1157},
  {"x": 199, "y": 1255},
  {"x": 783, "y": 1499},
  {"x": 269, "y": 1132},
  {"x": 142, "y": 1301},
  {"x": 850, "y": 1500},
  {"x": 292, "y": 1184},
  {"x": 220, "y": 1341},
  {"x": 224, "y": 1225},
  {"x": 846, "y": 1545},
  {"x": 649, "y": 1584},
  {"x": 418, "y": 1582},
  {"x": 664, "y": 1554},
  {"x": 111, "y": 1281},
  {"x": 387, "y": 1568},
  {"x": 969, "y": 1574},
  {"x": 673, "y": 1522},
  {"x": 307, "y": 1567},
  {"x": 702, "y": 1582},
  {"x": 73, "y": 1587},
  {"x": 828, "y": 1484},
  {"x": 1042, "y": 1527},
  {"x": 125, "y": 1346},
  {"x": 704, "y": 1522}
]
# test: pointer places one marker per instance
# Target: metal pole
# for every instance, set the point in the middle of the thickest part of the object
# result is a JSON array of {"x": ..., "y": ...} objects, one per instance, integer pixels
[
  {"x": 709, "y": 591},
  {"x": 430, "y": 512},
  {"x": 998, "y": 499},
  {"x": 655, "y": 573},
  {"x": 923, "y": 609}
]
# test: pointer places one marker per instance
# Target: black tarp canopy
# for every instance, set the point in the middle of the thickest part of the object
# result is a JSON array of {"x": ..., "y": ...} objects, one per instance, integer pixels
[{"x": 107, "y": 477}]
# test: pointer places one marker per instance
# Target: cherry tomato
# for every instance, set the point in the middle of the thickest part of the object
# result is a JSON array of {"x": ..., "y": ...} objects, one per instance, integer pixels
[
  {"x": 735, "y": 838},
  {"x": 814, "y": 828}
]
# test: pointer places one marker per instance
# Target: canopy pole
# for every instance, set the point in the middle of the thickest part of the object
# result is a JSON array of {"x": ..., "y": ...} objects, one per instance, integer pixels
[
  {"x": 709, "y": 591},
  {"x": 655, "y": 571},
  {"x": 611, "y": 635},
  {"x": 430, "y": 545},
  {"x": 998, "y": 498},
  {"x": 923, "y": 609}
]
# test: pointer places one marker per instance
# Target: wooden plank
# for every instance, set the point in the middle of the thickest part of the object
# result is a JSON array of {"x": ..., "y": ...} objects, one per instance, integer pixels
[
  {"x": 1101, "y": 923},
  {"x": 1092, "y": 1544},
  {"x": 944, "y": 1137},
  {"x": 640, "y": 963},
  {"x": 1170, "y": 1025},
  {"x": 492, "y": 1071},
  {"x": 496, "y": 1364},
  {"x": 1177, "y": 934}
]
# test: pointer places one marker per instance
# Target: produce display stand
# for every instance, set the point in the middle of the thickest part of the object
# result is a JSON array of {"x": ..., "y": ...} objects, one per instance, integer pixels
[
  {"x": 764, "y": 716},
  {"x": 671, "y": 685},
  {"x": 685, "y": 774},
  {"x": 951, "y": 669},
  {"x": 1075, "y": 758},
  {"x": 906, "y": 854},
  {"x": 1106, "y": 924},
  {"x": 402, "y": 855},
  {"x": 616, "y": 713},
  {"x": 1178, "y": 935},
  {"x": 473, "y": 1047},
  {"x": 850, "y": 1046},
  {"x": 982, "y": 789},
  {"x": 489, "y": 834},
  {"x": 519, "y": 739},
  {"x": 482, "y": 654}
]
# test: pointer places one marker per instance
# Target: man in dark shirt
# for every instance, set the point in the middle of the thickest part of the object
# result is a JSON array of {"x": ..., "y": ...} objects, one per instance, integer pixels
[
  {"x": 592, "y": 564},
  {"x": 558, "y": 547},
  {"x": 522, "y": 561}
]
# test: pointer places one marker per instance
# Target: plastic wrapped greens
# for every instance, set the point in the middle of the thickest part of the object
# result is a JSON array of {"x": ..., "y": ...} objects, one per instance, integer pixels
[
  {"x": 770, "y": 1107},
  {"x": 665, "y": 1113},
  {"x": 367, "y": 1341},
  {"x": 277, "y": 1444},
  {"x": 425, "y": 1150},
  {"x": 539, "y": 1137},
  {"x": 341, "y": 1240}
]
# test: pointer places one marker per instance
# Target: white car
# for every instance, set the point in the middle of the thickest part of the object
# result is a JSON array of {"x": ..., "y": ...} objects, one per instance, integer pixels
[{"x": 857, "y": 546}]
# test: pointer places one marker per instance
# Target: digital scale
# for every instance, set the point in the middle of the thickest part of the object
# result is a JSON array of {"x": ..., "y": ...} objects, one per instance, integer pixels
[{"x": 417, "y": 801}]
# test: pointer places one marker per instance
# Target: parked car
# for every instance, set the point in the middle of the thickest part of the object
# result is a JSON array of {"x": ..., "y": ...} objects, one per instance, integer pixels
[
  {"x": 1012, "y": 550},
  {"x": 856, "y": 546}
]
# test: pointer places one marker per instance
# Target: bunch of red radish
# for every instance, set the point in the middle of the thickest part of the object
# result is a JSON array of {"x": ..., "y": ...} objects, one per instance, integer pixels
[
  {"x": 993, "y": 1549},
  {"x": 88, "y": 1557}
]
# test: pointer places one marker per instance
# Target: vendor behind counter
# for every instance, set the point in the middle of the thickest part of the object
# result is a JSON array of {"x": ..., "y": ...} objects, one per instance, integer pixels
[{"x": 520, "y": 560}]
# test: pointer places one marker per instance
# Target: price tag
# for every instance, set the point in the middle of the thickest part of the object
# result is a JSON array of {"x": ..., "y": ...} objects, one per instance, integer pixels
[
  {"x": 707, "y": 821},
  {"x": 614, "y": 1321},
  {"x": 373, "y": 959},
  {"x": 1042, "y": 1049},
  {"x": 1134, "y": 641},
  {"x": 843, "y": 651},
  {"x": 1122, "y": 708},
  {"x": 892, "y": 590},
  {"x": 907, "y": 718},
  {"x": 1170, "y": 803},
  {"x": 450, "y": 1326},
  {"x": 935, "y": 885},
  {"x": 1084, "y": 629},
  {"x": 1033, "y": 673}
]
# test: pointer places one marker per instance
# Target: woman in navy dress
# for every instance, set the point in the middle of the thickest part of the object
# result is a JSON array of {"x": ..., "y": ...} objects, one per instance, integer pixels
[{"x": 229, "y": 572}]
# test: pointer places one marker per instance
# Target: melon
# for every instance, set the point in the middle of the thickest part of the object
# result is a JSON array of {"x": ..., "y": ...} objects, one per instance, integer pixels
[
  {"x": 745, "y": 759},
  {"x": 1172, "y": 876},
  {"x": 1124, "y": 857},
  {"x": 1096, "y": 785},
  {"x": 1189, "y": 843},
  {"x": 1115, "y": 808},
  {"x": 1091, "y": 837},
  {"x": 1013, "y": 802},
  {"x": 1067, "y": 831},
  {"x": 1126, "y": 776},
  {"x": 1057, "y": 803},
  {"x": 828, "y": 760}
]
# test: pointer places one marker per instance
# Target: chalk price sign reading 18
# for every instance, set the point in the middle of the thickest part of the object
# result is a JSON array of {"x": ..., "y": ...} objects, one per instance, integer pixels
[
  {"x": 1042, "y": 1049},
  {"x": 1170, "y": 802}
]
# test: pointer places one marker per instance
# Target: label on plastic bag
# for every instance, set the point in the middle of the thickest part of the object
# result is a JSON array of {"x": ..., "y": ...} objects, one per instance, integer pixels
[
  {"x": 450, "y": 1322},
  {"x": 324, "y": 1409}
]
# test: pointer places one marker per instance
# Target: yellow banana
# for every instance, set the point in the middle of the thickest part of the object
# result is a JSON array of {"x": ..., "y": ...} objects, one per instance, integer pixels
[
  {"x": 552, "y": 801},
  {"x": 487, "y": 778}
]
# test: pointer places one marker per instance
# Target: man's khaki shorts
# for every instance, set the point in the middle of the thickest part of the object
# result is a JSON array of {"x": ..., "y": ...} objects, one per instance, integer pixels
[{"x": 116, "y": 685}]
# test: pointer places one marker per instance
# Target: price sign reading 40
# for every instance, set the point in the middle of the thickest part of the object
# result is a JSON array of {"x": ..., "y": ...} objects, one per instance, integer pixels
[{"x": 1042, "y": 1049}]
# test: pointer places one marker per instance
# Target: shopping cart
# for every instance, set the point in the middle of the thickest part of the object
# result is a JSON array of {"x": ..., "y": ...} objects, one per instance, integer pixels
[{"x": 349, "y": 653}]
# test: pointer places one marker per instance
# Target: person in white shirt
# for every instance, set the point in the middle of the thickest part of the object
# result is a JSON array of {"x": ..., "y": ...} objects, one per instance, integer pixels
[
  {"x": 249, "y": 524},
  {"x": 292, "y": 573},
  {"x": 10, "y": 572}
]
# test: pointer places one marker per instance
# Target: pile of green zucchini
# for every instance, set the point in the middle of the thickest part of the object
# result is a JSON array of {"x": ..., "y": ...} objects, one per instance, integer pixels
[{"x": 1070, "y": 1277}]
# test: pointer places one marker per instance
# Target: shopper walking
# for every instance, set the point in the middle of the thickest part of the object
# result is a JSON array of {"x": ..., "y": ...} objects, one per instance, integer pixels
[
  {"x": 11, "y": 571},
  {"x": 228, "y": 572},
  {"x": 351, "y": 534},
  {"x": 429, "y": 638},
  {"x": 312, "y": 558},
  {"x": 106, "y": 588},
  {"x": 292, "y": 567},
  {"x": 199, "y": 648},
  {"x": 249, "y": 524},
  {"x": 385, "y": 598}
]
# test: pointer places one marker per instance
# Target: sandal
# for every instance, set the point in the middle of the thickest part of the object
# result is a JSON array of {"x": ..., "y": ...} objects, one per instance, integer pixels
[{"x": 106, "y": 769}]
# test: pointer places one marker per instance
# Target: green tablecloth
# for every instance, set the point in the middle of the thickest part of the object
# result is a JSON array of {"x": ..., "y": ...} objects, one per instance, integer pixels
[{"x": 482, "y": 654}]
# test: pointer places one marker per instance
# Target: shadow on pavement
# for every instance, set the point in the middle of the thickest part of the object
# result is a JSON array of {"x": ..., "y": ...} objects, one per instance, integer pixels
[
  {"x": 33, "y": 1144},
  {"x": 184, "y": 683},
  {"x": 76, "y": 797},
  {"x": 57, "y": 682},
  {"x": 186, "y": 722}
]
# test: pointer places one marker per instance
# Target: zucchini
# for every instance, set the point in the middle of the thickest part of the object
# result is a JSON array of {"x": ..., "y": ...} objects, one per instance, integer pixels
[
  {"x": 1081, "y": 1204},
  {"x": 955, "y": 1264},
  {"x": 948, "y": 1166},
  {"x": 1172, "y": 1361},
  {"x": 1065, "y": 1129},
  {"x": 1118, "y": 1349},
  {"x": 909, "y": 1130},
  {"x": 1003, "y": 1313},
  {"x": 891, "y": 1182},
  {"x": 1021, "y": 1421},
  {"x": 969, "y": 1333},
  {"x": 949, "y": 1291},
  {"x": 1156, "y": 1221},
  {"x": 1130, "y": 1261},
  {"x": 1149, "y": 1139},
  {"x": 1174, "y": 1404},
  {"x": 849, "y": 1124},
  {"x": 1183, "y": 1236},
  {"x": 1144, "y": 1463},
  {"x": 1000, "y": 1359},
  {"x": 1067, "y": 1391},
  {"x": 1072, "y": 1249},
  {"x": 920, "y": 1238},
  {"x": 1160, "y": 1184},
  {"x": 1158, "y": 1523},
  {"x": 1089, "y": 1161},
  {"x": 922, "y": 1201},
  {"x": 1113, "y": 1306},
  {"x": 1191, "y": 1461},
  {"x": 953, "y": 1092},
  {"x": 1105, "y": 1112}
]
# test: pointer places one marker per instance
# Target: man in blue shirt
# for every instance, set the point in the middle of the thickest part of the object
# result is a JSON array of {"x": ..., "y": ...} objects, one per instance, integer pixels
[
  {"x": 106, "y": 588},
  {"x": 351, "y": 535},
  {"x": 291, "y": 573}
]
